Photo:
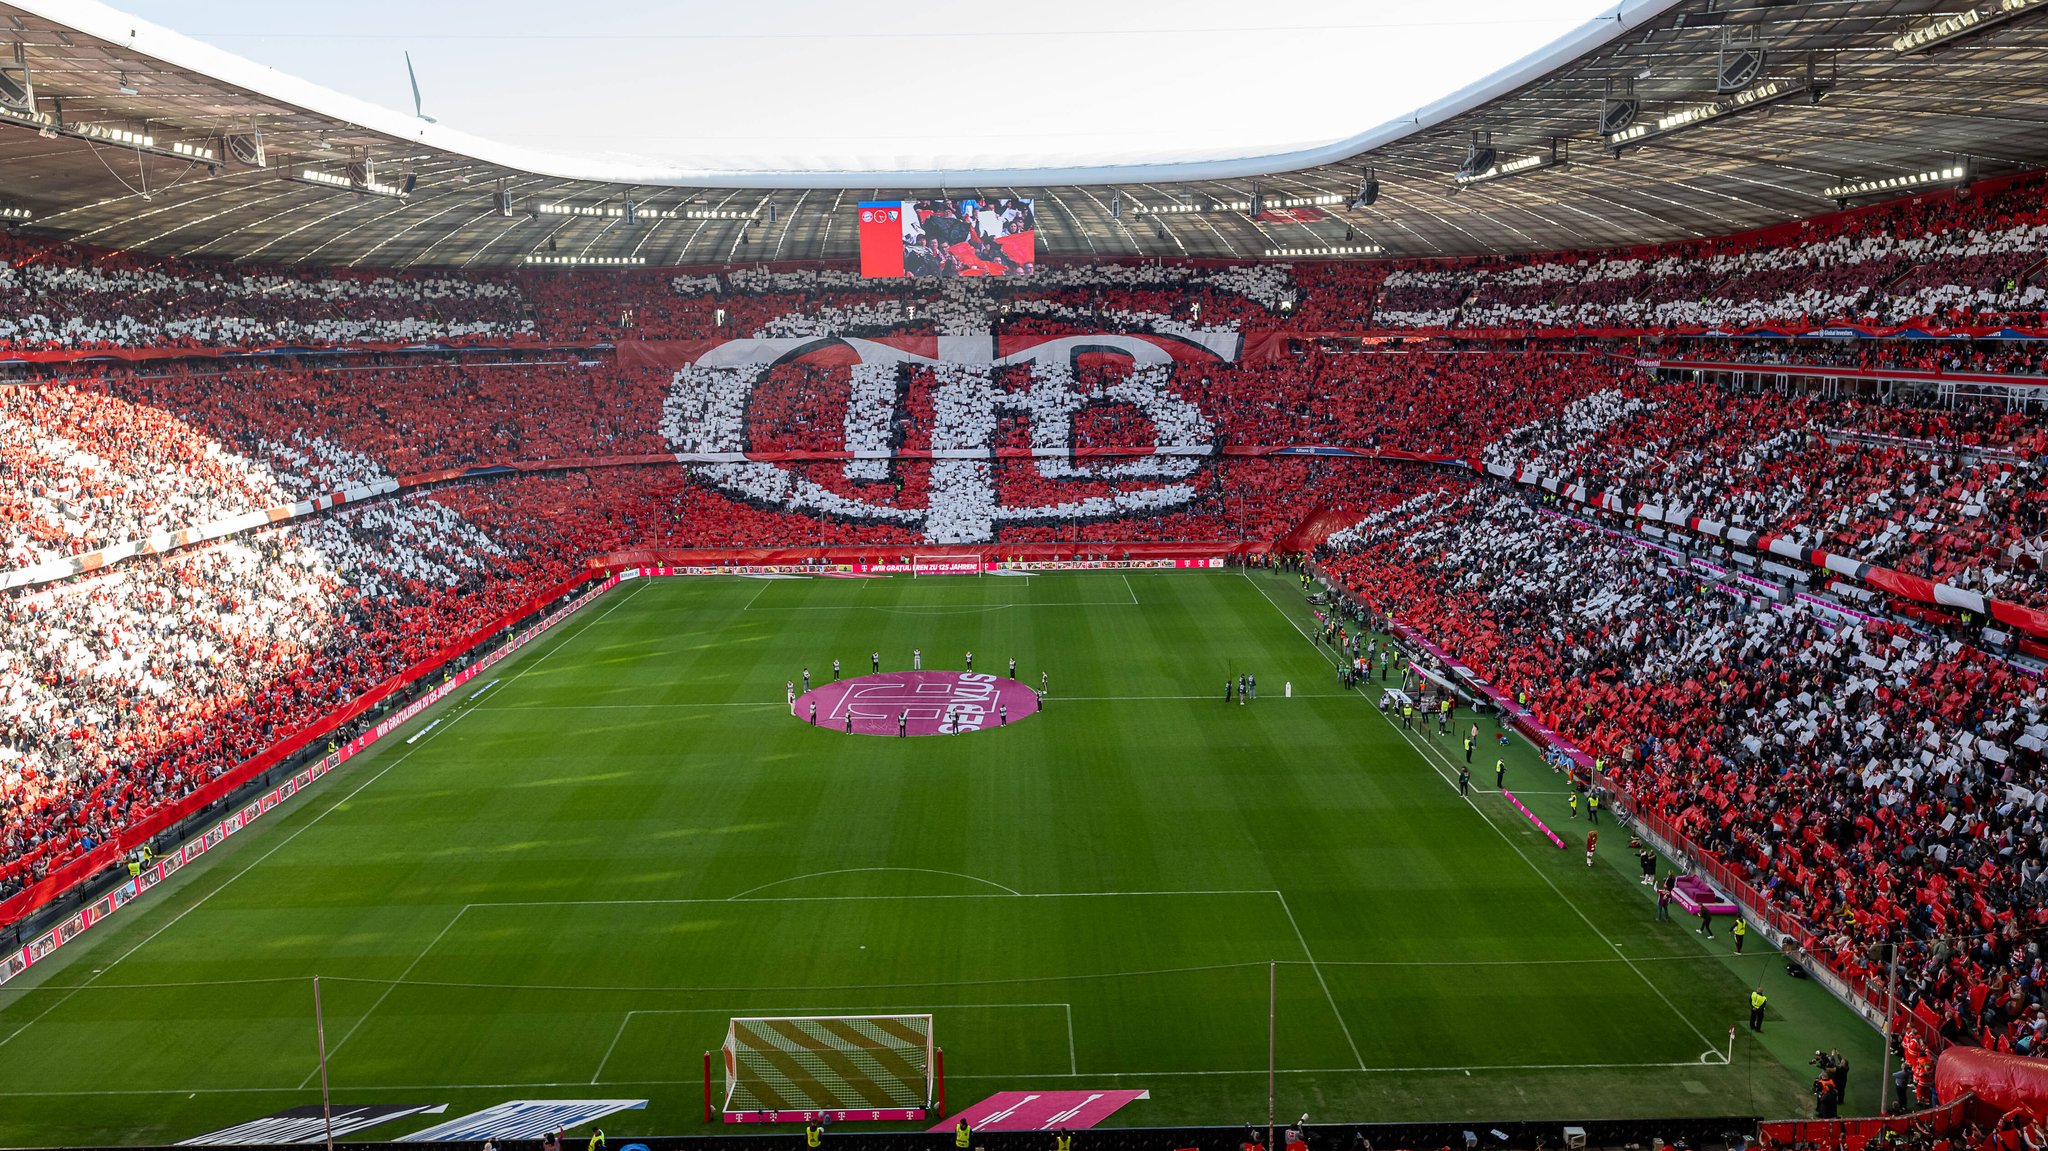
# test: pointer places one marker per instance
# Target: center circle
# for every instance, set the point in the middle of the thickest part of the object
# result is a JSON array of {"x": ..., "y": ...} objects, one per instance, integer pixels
[{"x": 917, "y": 703}]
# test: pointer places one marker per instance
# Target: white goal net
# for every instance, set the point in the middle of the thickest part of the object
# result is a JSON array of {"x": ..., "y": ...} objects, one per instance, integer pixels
[
  {"x": 929, "y": 565},
  {"x": 831, "y": 1063}
]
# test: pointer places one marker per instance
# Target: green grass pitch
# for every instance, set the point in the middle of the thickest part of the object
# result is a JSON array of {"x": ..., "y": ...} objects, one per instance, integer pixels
[{"x": 565, "y": 888}]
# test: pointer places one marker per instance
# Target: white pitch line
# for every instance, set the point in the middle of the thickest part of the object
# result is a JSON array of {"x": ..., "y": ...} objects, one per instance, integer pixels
[
  {"x": 1424, "y": 748},
  {"x": 616, "y": 1036},
  {"x": 515, "y": 678},
  {"x": 1007, "y": 890},
  {"x": 656, "y": 705},
  {"x": 1331, "y": 999},
  {"x": 1129, "y": 588},
  {"x": 253, "y": 864},
  {"x": 1442, "y": 1070},
  {"x": 393, "y": 986},
  {"x": 146, "y": 940},
  {"x": 1497, "y": 1068},
  {"x": 1006, "y": 894},
  {"x": 571, "y": 638},
  {"x": 649, "y": 706},
  {"x": 962, "y": 610},
  {"x": 1431, "y": 963}
]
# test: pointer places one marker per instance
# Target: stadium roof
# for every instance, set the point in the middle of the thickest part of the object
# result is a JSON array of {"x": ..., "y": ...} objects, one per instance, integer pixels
[{"x": 1838, "y": 99}]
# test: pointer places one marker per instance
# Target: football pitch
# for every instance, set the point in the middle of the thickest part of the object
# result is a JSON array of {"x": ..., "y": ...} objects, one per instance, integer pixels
[{"x": 566, "y": 886}]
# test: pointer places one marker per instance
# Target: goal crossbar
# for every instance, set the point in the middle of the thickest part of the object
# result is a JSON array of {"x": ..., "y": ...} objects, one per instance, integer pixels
[
  {"x": 790, "y": 1068},
  {"x": 968, "y": 564}
]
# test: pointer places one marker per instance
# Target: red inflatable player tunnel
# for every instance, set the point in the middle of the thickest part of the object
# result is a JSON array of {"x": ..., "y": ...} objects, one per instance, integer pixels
[{"x": 1998, "y": 1079}]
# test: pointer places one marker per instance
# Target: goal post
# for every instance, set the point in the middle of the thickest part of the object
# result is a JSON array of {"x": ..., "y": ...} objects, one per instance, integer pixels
[
  {"x": 930, "y": 565},
  {"x": 789, "y": 1069}
]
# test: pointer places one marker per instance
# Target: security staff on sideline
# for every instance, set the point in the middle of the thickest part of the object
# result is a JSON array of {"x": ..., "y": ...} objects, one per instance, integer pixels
[
  {"x": 1757, "y": 999},
  {"x": 963, "y": 1135},
  {"x": 814, "y": 1135}
]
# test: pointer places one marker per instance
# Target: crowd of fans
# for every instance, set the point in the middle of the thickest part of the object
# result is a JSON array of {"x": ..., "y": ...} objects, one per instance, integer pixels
[
  {"x": 1877, "y": 784},
  {"x": 1943, "y": 257},
  {"x": 1938, "y": 258},
  {"x": 70, "y": 296},
  {"x": 123, "y": 691},
  {"x": 1952, "y": 494},
  {"x": 121, "y": 454},
  {"x": 1881, "y": 784},
  {"x": 1947, "y": 357}
]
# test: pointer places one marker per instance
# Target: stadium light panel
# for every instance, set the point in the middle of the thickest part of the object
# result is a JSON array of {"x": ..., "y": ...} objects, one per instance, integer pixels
[
  {"x": 641, "y": 211},
  {"x": 11, "y": 213},
  {"x": 1500, "y": 169},
  {"x": 586, "y": 261},
  {"x": 48, "y": 126},
  {"x": 320, "y": 179},
  {"x": 1948, "y": 28},
  {"x": 1955, "y": 173},
  {"x": 1264, "y": 203},
  {"x": 1748, "y": 100},
  {"x": 1314, "y": 253}
]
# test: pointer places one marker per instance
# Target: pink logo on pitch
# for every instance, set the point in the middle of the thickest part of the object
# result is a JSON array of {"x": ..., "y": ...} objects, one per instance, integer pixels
[{"x": 918, "y": 703}]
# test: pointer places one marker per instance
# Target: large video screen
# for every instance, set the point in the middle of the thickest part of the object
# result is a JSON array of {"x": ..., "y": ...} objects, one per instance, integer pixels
[{"x": 989, "y": 237}]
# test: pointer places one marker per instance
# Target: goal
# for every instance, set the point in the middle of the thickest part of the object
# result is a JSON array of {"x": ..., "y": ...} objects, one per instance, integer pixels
[
  {"x": 930, "y": 565},
  {"x": 785, "y": 1069}
]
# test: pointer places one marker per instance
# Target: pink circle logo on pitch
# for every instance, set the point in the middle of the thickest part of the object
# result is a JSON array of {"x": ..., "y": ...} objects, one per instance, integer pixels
[{"x": 918, "y": 703}]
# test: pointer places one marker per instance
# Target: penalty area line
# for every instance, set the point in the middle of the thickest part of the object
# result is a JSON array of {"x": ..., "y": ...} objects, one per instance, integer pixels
[{"x": 1491, "y": 1068}]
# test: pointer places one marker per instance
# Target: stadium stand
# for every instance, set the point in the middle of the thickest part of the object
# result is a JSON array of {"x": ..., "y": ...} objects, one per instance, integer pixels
[
  {"x": 1801, "y": 745},
  {"x": 77, "y": 297},
  {"x": 1797, "y": 743},
  {"x": 1939, "y": 257}
]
